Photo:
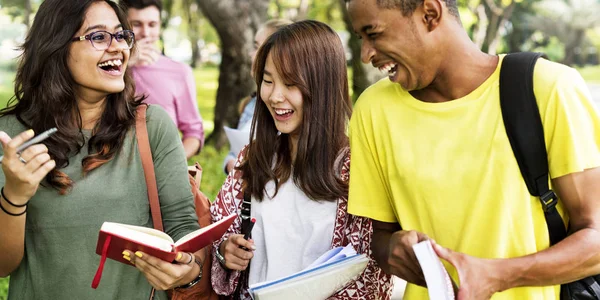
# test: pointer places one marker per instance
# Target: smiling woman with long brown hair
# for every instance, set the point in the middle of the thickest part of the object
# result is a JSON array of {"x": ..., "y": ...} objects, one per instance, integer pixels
[
  {"x": 295, "y": 170},
  {"x": 73, "y": 76}
]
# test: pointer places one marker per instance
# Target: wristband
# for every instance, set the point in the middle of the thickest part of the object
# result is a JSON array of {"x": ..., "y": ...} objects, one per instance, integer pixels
[
  {"x": 9, "y": 202},
  {"x": 11, "y": 214},
  {"x": 220, "y": 257},
  {"x": 193, "y": 282}
]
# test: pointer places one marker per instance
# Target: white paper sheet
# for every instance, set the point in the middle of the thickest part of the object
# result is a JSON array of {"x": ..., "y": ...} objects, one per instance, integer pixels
[{"x": 237, "y": 138}]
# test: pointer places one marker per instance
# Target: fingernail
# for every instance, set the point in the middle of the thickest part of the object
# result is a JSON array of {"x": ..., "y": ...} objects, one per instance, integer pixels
[
  {"x": 126, "y": 257},
  {"x": 179, "y": 255},
  {"x": 125, "y": 253},
  {"x": 30, "y": 132},
  {"x": 253, "y": 247},
  {"x": 138, "y": 254}
]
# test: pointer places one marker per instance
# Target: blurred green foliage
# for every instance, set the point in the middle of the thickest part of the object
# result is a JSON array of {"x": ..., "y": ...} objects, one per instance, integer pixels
[
  {"x": 328, "y": 11},
  {"x": 3, "y": 288}
]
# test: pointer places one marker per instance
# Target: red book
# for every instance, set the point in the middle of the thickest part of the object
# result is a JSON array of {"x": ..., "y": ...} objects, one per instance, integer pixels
[{"x": 114, "y": 238}]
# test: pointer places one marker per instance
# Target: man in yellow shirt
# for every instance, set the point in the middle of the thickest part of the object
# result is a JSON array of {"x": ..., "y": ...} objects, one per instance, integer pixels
[{"x": 431, "y": 159}]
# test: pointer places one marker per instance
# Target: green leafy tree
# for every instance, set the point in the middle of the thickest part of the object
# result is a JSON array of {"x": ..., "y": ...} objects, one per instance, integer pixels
[
  {"x": 491, "y": 19},
  {"x": 519, "y": 31},
  {"x": 21, "y": 9},
  {"x": 568, "y": 20},
  {"x": 194, "y": 17},
  {"x": 290, "y": 9}
]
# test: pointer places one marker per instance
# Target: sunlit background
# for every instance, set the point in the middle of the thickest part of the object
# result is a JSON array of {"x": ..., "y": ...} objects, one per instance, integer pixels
[{"x": 568, "y": 31}]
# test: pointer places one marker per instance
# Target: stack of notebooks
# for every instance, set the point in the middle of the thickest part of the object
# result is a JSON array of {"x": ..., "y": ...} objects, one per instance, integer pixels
[{"x": 323, "y": 278}]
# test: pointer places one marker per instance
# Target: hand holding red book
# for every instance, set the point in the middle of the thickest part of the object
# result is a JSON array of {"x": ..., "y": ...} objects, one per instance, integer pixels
[{"x": 114, "y": 238}]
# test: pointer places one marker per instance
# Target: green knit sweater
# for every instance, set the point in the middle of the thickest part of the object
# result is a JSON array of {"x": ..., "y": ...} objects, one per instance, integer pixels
[{"x": 61, "y": 231}]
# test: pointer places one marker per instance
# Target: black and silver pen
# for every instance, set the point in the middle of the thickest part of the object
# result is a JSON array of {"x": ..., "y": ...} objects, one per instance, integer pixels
[
  {"x": 248, "y": 230},
  {"x": 38, "y": 138}
]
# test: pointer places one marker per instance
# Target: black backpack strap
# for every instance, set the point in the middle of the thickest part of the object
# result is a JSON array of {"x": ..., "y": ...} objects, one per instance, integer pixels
[{"x": 526, "y": 134}]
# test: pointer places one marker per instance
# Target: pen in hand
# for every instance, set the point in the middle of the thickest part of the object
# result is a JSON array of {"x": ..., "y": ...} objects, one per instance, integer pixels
[
  {"x": 39, "y": 138},
  {"x": 248, "y": 231}
]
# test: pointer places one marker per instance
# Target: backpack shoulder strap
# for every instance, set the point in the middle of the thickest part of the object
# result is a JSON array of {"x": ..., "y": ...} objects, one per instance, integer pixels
[
  {"x": 141, "y": 134},
  {"x": 525, "y": 132}
]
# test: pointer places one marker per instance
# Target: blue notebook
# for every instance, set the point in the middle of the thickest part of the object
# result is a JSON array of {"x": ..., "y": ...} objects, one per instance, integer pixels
[{"x": 328, "y": 274}]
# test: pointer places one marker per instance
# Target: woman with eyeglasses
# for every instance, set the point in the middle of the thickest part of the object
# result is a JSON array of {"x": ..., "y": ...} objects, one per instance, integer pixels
[{"x": 55, "y": 195}]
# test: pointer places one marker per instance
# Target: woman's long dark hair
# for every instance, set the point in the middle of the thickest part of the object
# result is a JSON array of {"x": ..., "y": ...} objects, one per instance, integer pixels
[
  {"x": 309, "y": 55},
  {"x": 45, "y": 92}
]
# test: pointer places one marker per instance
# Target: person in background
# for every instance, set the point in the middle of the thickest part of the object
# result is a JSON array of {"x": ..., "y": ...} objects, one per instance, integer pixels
[
  {"x": 162, "y": 80},
  {"x": 56, "y": 195},
  {"x": 247, "y": 104},
  {"x": 431, "y": 159},
  {"x": 295, "y": 170}
]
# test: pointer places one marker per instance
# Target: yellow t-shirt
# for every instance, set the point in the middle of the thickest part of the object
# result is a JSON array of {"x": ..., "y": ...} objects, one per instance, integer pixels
[{"x": 448, "y": 170}]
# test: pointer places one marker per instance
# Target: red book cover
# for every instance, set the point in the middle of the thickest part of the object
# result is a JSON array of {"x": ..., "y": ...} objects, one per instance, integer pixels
[{"x": 154, "y": 242}]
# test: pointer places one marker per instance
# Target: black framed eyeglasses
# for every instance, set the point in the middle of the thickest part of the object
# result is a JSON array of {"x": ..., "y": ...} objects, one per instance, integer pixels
[{"x": 101, "y": 40}]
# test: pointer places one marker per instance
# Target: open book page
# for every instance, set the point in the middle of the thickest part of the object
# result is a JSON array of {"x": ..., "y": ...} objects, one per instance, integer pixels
[
  {"x": 439, "y": 283},
  {"x": 319, "y": 282},
  {"x": 143, "y": 235},
  {"x": 238, "y": 138},
  {"x": 198, "y": 239}
]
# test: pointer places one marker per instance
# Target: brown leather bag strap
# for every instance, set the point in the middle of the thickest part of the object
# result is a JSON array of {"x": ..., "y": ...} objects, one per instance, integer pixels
[{"x": 141, "y": 133}]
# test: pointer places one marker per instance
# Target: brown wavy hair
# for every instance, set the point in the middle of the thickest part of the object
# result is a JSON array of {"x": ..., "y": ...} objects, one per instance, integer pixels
[
  {"x": 45, "y": 92},
  {"x": 309, "y": 55}
]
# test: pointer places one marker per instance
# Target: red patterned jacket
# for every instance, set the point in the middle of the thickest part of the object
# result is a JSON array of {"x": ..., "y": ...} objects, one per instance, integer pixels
[{"x": 373, "y": 283}]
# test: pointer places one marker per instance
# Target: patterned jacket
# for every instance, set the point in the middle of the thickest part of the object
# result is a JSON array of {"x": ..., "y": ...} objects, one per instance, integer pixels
[{"x": 373, "y": 283}]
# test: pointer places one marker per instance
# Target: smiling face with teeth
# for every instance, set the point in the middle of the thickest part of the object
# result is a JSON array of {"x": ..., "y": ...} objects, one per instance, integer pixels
[
  {"x": 404, "y": 47},
  {"x": 302, "y": 83},
  {"x": 283, "y": 100},
  {"x": 98, "y": 73}
]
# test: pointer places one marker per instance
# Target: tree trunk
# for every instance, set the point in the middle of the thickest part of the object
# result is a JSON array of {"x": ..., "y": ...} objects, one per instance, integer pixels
[
  {"x": 195, "y": 60},
  {"x": 490, "y": 32},
  {"x": 279, "y": 9},
  {"x": 166, "y": 13},
  {"x": 577, "y": 40},
  {"x": 497, "y": 17},
  {"x": 363, "y": 75},
  {"x": 27, "y": 13},
  {"x": 194, "y": 33},
  {"x": 500, "y": 29},
  {"x": 235, "y": 21},
  {"x": 302, "y": 10},
  {"x": 481, "y": 25},
  {"x": 491, "y": 19}
]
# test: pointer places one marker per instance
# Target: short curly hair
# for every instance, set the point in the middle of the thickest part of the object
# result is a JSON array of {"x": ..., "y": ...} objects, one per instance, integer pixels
[{"x": 408, "y": 7}]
